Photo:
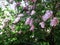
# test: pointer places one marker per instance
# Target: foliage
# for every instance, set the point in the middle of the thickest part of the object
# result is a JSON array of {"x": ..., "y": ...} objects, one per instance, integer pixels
[{"x": 15, "y": 29}]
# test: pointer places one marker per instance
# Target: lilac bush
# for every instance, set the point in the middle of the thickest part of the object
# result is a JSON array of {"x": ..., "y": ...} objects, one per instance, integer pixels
[{"x": 29, "y": 22}]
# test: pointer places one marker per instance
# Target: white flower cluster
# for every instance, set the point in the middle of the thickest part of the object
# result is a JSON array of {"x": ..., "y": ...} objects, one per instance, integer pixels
[{"x": 5, "y": 7}]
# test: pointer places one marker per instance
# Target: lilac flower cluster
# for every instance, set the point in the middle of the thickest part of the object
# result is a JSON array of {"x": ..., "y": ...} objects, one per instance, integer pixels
[
  {"x": 29, "y": 21},
  {"x": 46, "y": 16}
]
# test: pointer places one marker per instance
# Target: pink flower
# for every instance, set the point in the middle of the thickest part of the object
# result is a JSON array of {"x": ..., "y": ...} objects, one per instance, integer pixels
[
  {"x": 20, "y": 15},
  {"x": 42, "y": 24},
  {"x": 32, "y": 7},
  {"x": 12, "y": 6},
  {"x": 49, "y": 11},
  {"x": 31, "y": 22},
  {"x": 16, "y": 20},
  {"x": 6, "y": 20},
  {"x": 26, "y": 0},
  {"x": 33, "y": 0},
  {"x": 47, "y": 15},
  {"x": 32, "y": 28},
  {"x": 28, "y": 12},
  {"x": 18, "y": 4},
  {"x": 11, "y": 1},
  {"x": 33, "y": 12},
  {"x": 27, "y": 21},
  {"x": 54, "y": 21}
]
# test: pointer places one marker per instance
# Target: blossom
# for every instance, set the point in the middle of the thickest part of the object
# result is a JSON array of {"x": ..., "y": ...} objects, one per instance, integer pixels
[
  {"x": 18, "y": 4},
  {"x": 33, "y": 0},
  {"x": 42, "y": 24},
  {"x": 3, "y": 4},
  {"x": 32, "y": 28},
  {"x": 24, "y": 4},
  {"x": 16, "y": 20},
  {"x": 20, "y": 15},
  {"x": 28, "y": 12},
  {"x": 27, "y": 21},
  {"x": 12, "y": 6},
  {"x": 33, "y": 12},
  {"x": 26, "y": 0},
  {"x": 31, "y": 22},
  {"x": 11, "y": 1},
  {"x": 54, "y": 21},
  {"x": 47, "y": 15},
  {"x": 27, "y": 3},
  {"x": 6, "y": 20},
  {"x": 31, "y": 7},
  {"x": 4, "y": 23}
]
